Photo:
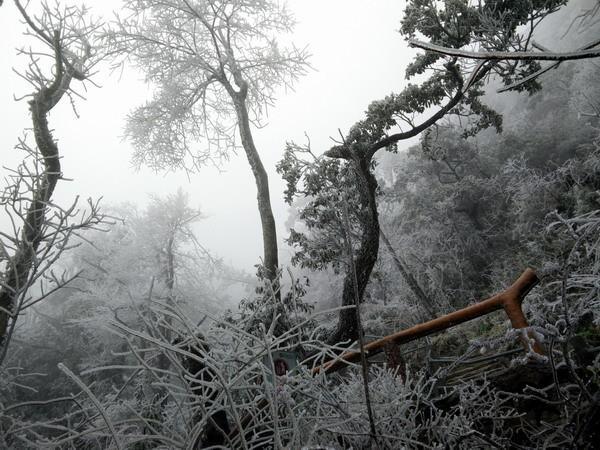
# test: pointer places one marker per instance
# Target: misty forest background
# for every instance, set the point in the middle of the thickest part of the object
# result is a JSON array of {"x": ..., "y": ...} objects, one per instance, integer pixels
[{"x": 122, "y": 328}]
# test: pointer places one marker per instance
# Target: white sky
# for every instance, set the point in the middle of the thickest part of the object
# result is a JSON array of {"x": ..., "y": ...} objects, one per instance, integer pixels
[{"x": 358, "y": 56}]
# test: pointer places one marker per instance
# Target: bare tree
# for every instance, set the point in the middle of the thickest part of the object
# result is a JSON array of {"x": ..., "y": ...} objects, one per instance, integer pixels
[
  {"x": 216, "y": 66},
  {"x": 41, "y": 229}
]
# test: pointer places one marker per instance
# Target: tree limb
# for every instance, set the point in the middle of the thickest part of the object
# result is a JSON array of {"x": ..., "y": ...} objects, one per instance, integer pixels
[
  {"x": 507, "y": 56},
  {"x": 479, "y": 72},
  {"x": 544, "y": 70}
]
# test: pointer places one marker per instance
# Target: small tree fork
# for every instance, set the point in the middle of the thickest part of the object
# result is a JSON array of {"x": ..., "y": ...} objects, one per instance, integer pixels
[{"x": 510, "y": 300}]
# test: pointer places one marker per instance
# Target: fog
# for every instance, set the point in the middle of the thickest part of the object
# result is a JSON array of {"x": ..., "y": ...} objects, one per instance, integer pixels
[
  {"x": 357, "y": 56},
  {"x": 442, "y": 295}
]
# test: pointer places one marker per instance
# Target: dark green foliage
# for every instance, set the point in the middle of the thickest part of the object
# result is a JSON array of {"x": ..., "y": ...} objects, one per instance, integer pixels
[
  {"x": 261, "y": 311},
  {"x": 440, "y": 24},
  {"x": 484, "y": 116},
  {"x": 492, "y": 25},
  {"x": 327, "y": 183}
]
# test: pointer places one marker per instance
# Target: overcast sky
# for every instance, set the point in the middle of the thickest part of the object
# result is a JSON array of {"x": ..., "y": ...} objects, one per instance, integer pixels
[{"x": 358, "y": 55}]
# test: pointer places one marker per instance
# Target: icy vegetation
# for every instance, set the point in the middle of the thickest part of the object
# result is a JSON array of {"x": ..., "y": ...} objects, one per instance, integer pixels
[{"x": 119, "y": 329}]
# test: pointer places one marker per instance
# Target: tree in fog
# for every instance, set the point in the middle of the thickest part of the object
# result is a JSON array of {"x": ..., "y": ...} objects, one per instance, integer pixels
[
  {"x": 151, "y": 254},
  {"x": 454, "y": 87},
  {"x": 215, "y": 66},
  {"x": 61, "y": 55}
]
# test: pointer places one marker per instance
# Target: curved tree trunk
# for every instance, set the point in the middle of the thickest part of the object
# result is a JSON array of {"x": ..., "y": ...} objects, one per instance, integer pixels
[
  {"x": 271, "y": 262},
  {"x": 366, "y": 256},
  {"x": 17, "y": 274},
  {"x": 360, "y": 154}
]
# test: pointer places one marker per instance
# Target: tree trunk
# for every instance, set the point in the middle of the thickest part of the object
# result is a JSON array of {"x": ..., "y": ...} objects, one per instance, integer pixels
[
  {"x": 163, "y": 360},
  {"x": 366, "y": 256},
  {"x": 18, "y": 268},
  {"x": 270, "y": 261}
]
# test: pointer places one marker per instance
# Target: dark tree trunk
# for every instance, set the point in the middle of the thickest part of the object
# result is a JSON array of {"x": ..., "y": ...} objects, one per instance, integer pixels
[
  {"x": 360, "y": 154},
  {"x": 271, "y": 262},
  {"x": 18, "y": 268},
  {"x": 366, "y": 256}
]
